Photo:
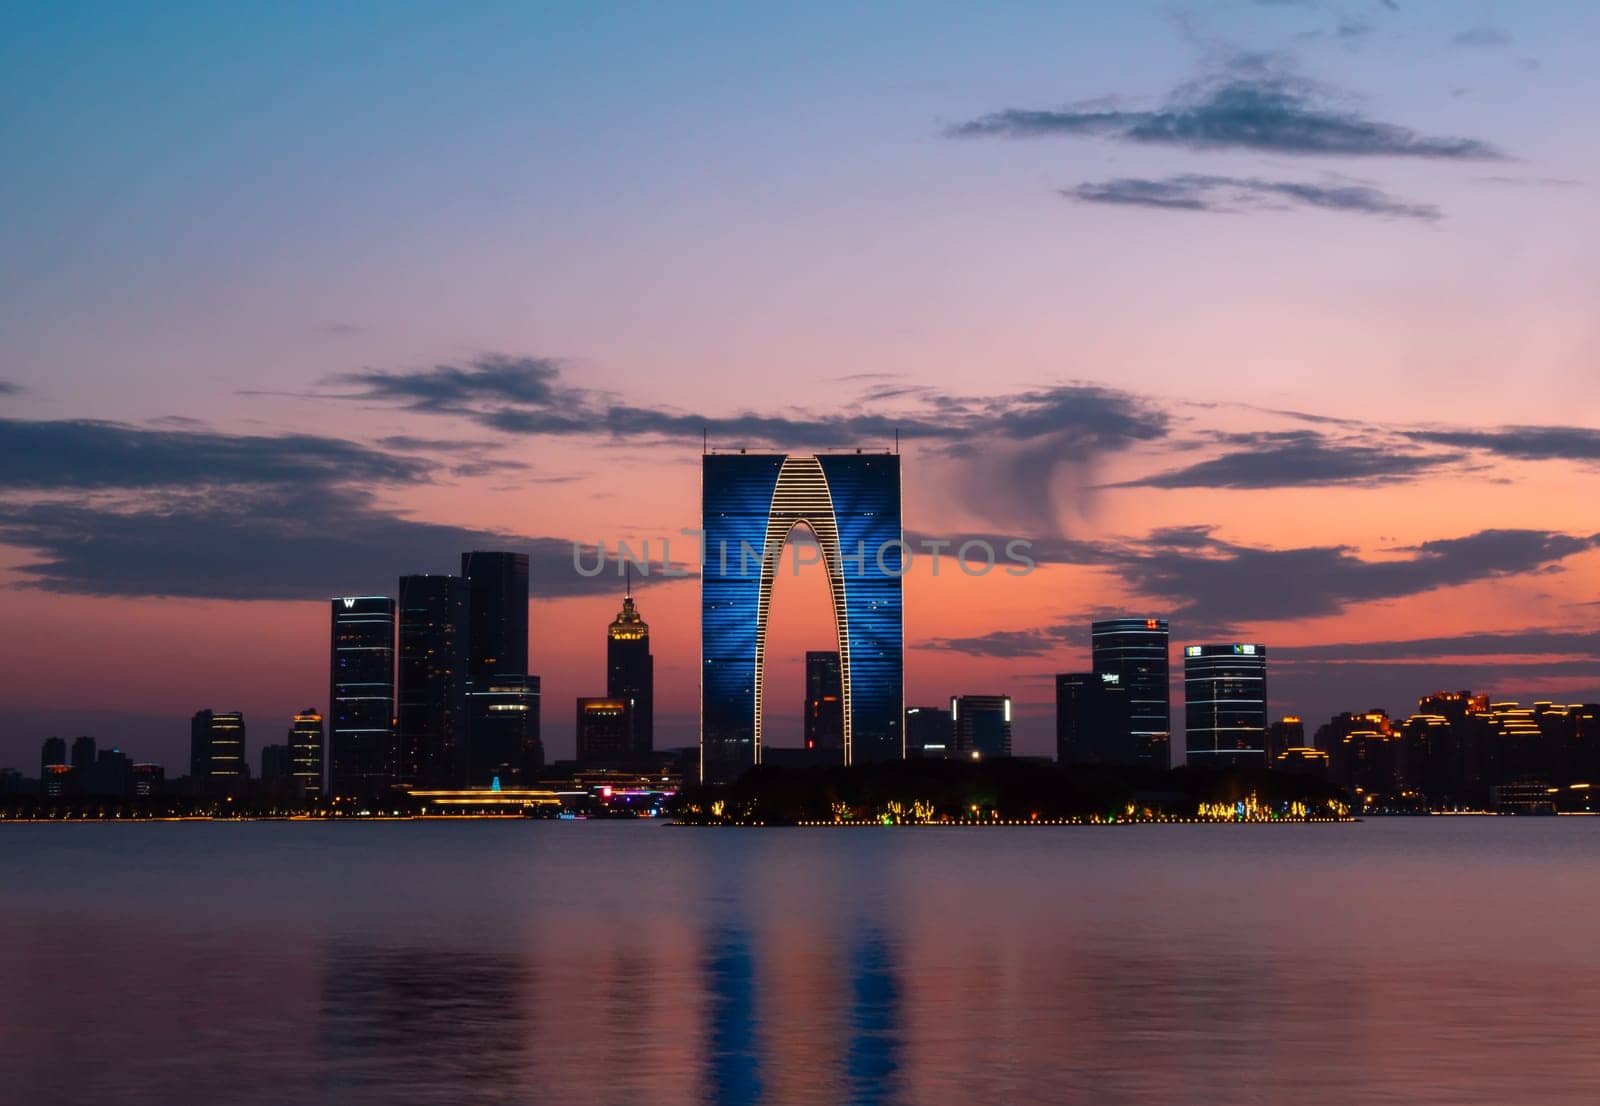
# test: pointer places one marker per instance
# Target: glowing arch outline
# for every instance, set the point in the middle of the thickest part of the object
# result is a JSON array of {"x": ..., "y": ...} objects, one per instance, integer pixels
[{"x": 802, "y": 495}]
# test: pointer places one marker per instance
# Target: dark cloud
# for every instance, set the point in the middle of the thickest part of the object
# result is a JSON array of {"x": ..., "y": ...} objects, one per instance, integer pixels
[
  {"x": 1522, "y": 443},
  {"x": 1006, "y": 643},
  {"x": 49, "y": 455},
  {"x": 1299, "y": 459},
  {"x": 1483, "y": 37},
  {"x": 10, "y": 388},
  {"x": 338, "y": 329},
  {"x": 1213, "y": 586},
  {"x": 1010, "y": 452},
  {"x": 1227, "y": 585},
  {"x": 269, "y": 543},
  {"x": 529, "y": 380},
  {"x": 1578, "y": 643},
  {"x": 1535, "y": 182},
  {"x": 110, "y": 509},
  {"x": 1252, "y": 104},
  {"x": 1233, "y": 195}
]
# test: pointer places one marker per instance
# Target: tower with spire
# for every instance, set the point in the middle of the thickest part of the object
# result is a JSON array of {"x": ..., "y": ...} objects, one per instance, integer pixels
[{"x": 630, "y": 672}]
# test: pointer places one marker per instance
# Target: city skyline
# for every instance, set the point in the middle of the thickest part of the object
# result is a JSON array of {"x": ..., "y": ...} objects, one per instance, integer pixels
[{"x": 1327, "y": 385}]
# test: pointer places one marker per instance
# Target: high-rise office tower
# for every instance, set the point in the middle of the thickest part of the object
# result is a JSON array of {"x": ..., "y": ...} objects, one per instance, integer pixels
[
  {"x": 217, "y": 753},
  {"x": 502, "y": 698},
  {"x": 111, "y": 775},
  {"x": 497, "y": 613},
  {"x": 148, "y": 779},
  {"x": 603, "y": 731},
  {"x": 928, "y": 733},
  {"x": 361, "y": 697},
  {"x": 982, "y": 725},
  {"x": 1288, "y": 732},
  {"x": 277, "y": 769},
  {"x": 1225, "y": 704},
  {"x": 1135, "y": 650},
  {"x": 750, "y": 503},
  {"x": 431, "y": 683},
  {"x": 824, "y": 718},
  {"x": 1094, "y": 720},
  {"x": 305, "y": 753},
  {"x": 630, "y": 674},
  {"x": 503, "y": 730},
  {"x": 83, "y": 754},
  {"x": 52, "y": 754}
]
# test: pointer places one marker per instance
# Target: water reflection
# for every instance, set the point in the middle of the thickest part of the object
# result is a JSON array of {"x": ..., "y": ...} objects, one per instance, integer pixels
[
  {"x": 421, "y": 1021},
  {"x": 1416, "y": 962},
  {"x": 733, "y": 1062},
  {"x": 873, "y": 1053}
]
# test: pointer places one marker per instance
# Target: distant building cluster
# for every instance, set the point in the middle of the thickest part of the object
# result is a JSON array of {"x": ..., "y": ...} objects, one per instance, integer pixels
[{"x": 429, "y": 694}]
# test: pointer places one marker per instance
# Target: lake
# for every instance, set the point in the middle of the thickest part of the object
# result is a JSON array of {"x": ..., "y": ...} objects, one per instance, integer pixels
[{"x": 1443, "y": 960}]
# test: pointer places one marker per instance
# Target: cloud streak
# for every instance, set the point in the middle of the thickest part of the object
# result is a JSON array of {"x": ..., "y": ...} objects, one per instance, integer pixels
[
  {"x": 1235, "y": 195},
  {"x": 1009, "y": 452},
  {"x": 1299, "y": 459},
  {"x": 1215, "y": 586},
  {"x": 1520, "y": 443},
  {"x": 1249, "y": 105},
  {"x": 115, "y": 510},
  {"x": 45, "y": 455},
  {"x": 1483, "y": 37}
]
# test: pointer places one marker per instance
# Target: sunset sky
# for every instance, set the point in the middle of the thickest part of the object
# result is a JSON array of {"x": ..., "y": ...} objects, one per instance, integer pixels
[{"x": 1276, "y": 318}]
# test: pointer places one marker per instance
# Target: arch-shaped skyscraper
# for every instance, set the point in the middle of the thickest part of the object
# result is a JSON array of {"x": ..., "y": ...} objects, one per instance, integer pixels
[{"x": 750, "y": 503}]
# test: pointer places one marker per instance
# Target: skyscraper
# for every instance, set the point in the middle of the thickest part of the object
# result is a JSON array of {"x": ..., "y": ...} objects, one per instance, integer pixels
[
  {"x": 749, "y": 505},
  {"x": 602, "y": 731},
  {"x": 630, "y": 674},
  {"x": 431, "y": 684},
  {"x": 83, "y": 754},
  {"x": 1225, "y": 704},
  {"x": 824, "y": 707},
  {"x": 277, "y": 770},
  {"x": 503, "y": 731},
  {"x": 1094, "y": 722},
  {"x": 497, "y": 613},
  {"x": 361, "y": 696},
  {"x": 928, "y": 733},
  {"x": 1135, "y": 650},
  {"x": 1288, "y": 732},
  {"x": 52, "y": 754},
  {"x": 305, "y": 753},
  {"x": 503, "y": 701},
  {"x": 217, "y": 753},
  {"x": 982, "y": 725}
]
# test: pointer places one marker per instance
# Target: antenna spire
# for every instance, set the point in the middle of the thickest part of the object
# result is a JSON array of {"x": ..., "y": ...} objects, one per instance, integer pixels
[{"x": 628, "y": 571}]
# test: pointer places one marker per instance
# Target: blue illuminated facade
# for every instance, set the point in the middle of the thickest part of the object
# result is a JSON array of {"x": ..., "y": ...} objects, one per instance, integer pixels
[{"x": 750, "y": 503}]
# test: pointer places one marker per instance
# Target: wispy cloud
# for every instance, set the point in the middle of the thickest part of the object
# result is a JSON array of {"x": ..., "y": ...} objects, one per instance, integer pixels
[
  {"x": 1522, "y": 443},
  {"x": 113, "y": 509},
  {"x": 1251, "y": 104},
  {"x": 1007, "y": 643},
  {"x": 89, "y": 454},
  {"x": 1232, "y": 195},
  {"x": 1299, "y": 459},
  {"x": 1483, "y": 37},
  {"x": 1216, "y": 585},
  {"x": 1012, "y": 447},
  {"x": 257, "y": 543}
]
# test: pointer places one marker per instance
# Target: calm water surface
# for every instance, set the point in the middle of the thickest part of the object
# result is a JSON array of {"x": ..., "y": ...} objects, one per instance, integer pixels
[{"x": 1417, "y": 961}]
